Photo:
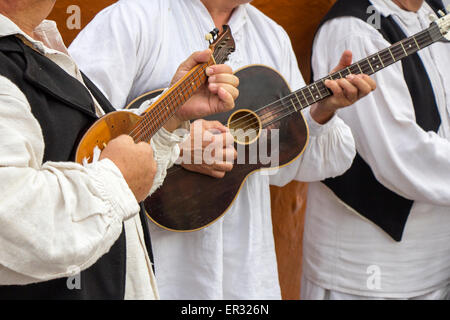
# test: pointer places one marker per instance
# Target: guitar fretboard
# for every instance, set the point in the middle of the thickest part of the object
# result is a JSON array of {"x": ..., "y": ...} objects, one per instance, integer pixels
[
  {"x": 317, "y": 91},
  {"x": 167, "y": 105}
]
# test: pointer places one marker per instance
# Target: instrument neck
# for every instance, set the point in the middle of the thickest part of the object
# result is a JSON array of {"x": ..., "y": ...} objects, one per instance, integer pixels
[
  {"x": 168, "y": 104},
  {"x": 317, "y": 91}
]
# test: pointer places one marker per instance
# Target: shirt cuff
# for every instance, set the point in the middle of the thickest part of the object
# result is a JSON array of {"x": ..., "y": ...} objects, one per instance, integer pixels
[
  {"x": 316, "y": 129},
  {"x": 164, "y": 138},
  {"x": 113, "y": 187}
]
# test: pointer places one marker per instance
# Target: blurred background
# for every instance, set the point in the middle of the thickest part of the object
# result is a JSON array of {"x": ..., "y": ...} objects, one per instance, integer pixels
[{"x": 300, "y": 19}]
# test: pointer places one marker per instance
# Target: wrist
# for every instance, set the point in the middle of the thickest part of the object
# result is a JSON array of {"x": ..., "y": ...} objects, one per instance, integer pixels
[
  {"x": 322, "y": 113},
  {"x": 172, "y": 124}
]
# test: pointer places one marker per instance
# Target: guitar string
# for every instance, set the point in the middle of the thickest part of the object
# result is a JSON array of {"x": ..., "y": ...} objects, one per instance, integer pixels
[
  {"x": 386, "y": 54},
  {"x": 419, "y": 38},
  {"x": 151, "y": 120},
  {"x": 324, "y": 91},
  {"x": 382, "y": 55},
  {"x": 283, "y": 100},
  {"x": 148, "y": 122},
  {"x": 293, "y": 96}
]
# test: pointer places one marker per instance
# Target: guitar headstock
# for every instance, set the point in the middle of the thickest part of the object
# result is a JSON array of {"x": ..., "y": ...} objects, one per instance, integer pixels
[
  {"x": 222, "y": 45},
  {"x": 443, "y": 23}
]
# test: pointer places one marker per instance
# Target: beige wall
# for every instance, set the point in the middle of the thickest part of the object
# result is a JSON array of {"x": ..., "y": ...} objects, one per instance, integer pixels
[{"x": 299, "y": 18}]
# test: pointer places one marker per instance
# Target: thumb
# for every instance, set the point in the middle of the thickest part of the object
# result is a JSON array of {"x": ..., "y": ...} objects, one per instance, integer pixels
[
  {"x": 195, "y": 59},
  {"x": 346, "y": 60},
  {"x": 211, "y": 125}
]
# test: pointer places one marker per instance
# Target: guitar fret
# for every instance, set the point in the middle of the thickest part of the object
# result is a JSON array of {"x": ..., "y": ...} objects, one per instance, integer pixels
[
  {"x": 312, "y": 96},
  {"x": 317, "y": 89},
  {"x": 406, "y": 53},
  {"x": 293, "y": 104},
  {"x": 370, "y": 65},
  {"x": 306, "y": 99},
  {"x": 359, "y": 68},
  {"x": 418, "y": 47},
  {"x": 301, "y": 104},
  {"x": 380, "y": 60},
  {"x": 393, "y": 58}
]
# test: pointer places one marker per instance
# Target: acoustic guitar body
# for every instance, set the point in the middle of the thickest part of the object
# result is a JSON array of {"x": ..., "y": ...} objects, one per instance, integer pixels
[{"x": 189, "y": 201}]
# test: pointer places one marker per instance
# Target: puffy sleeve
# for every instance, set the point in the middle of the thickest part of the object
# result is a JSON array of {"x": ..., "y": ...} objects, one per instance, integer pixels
[
  {"x": 166, "y": 150},
  {"x": 403, "y": 157},
  {"x": 55, "y": 217}
]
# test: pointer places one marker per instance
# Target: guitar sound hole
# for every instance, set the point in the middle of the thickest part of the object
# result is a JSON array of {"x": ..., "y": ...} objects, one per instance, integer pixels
[{"x": 245, "y": 126}]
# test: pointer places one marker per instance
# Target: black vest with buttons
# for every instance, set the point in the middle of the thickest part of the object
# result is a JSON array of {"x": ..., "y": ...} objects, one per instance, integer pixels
[
  {"x": 358, "y": 187},
  {"x": 65, "y": 110}
]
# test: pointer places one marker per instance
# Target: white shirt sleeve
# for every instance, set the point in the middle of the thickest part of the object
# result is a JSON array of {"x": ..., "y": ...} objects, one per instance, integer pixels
[
  {"x": 56, "y": 217},
  {"x": 331, "y": 147},
  {"x": 403, "y": 157}
]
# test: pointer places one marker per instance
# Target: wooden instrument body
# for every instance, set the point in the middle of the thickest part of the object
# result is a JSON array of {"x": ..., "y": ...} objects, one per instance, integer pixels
[
  {"x": 105, "y": 129},
  {"x": 111, "y": 126},
  {"x": 189, "y": 201}
]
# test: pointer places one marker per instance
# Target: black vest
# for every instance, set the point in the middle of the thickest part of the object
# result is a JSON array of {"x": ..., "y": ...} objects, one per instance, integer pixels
[
  {"x": 64, "y": 110},
  {"x": 358, "y": 187}
]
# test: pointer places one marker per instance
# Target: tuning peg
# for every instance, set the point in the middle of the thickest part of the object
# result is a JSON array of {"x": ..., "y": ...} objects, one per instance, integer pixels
[
  {"x": 208, "y": 37},
  {"x": 432, "y": 17},
  {"x": 441, "y": 13},
  {"x": 448, "y": 8}
]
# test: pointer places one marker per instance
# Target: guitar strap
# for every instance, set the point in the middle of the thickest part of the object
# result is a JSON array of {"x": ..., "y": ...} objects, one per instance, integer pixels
[{"x": 358, "y": 187}]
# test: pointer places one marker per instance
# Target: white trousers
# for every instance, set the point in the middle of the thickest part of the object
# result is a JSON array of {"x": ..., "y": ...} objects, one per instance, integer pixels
[{"x": 311, "y": 291}]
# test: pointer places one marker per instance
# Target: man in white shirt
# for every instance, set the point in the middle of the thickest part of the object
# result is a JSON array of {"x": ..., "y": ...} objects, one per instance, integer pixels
[
  {"x": 235, "y": 257},
  {"x": 58, "y": 217},
  {"x": 345, "y": 255}
]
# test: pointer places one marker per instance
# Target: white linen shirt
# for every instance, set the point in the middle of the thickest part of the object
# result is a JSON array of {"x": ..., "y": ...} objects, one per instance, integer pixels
[
  {"x": 341, "y": 249},
  {"x": 142, "y": 43},
  {"x": 86, "y": 205}
]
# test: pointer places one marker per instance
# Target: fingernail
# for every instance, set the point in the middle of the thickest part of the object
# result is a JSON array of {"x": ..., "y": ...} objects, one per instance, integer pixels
[
  {"x": 212, "y": 79},
  {"x": 213, "y": 86},
  {"x": 209, "y": 71},
  {"x": 350, "y": 77}
]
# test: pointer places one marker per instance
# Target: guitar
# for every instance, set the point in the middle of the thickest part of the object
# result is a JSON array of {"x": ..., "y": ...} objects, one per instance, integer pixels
[
  {"x": 189, "y": 201},
  {"x": 143, "y": 127}
]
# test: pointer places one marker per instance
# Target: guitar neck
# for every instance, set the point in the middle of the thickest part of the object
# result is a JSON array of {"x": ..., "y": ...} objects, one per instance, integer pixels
[
  {"x": 167, "y": 105},
  {"x": 317, "y": 91}
]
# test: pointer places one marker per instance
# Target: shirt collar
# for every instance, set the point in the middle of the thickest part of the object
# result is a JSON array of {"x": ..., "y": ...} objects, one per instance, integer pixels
[
  {"x": 237, "y": 20},
  {"x": 387, "y": 8},
  {"x": 47, "y": 31}
]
